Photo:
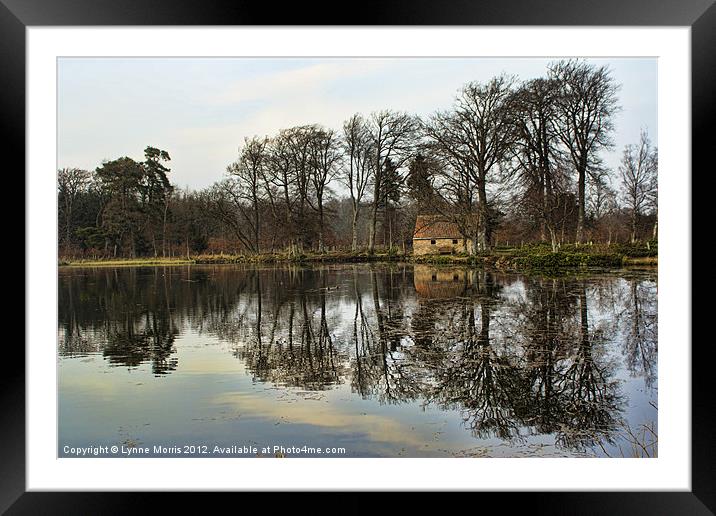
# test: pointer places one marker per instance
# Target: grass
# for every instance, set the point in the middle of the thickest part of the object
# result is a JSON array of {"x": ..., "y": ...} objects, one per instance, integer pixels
[
  {"x": 117, "y": 262},
  {"x": 647, "y": 260},
  {"x": 211, "y": 259},
  {"x": 438, "y": 259},
  {"x": 328, "y": 257},
  {"x": 575, "y": 256},
  {"x": 639, "y": 442},
  {"x": 643, "y": 441}
]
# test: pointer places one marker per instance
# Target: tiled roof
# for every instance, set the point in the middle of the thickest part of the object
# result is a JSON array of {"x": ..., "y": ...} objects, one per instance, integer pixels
[{"x": 435, "y": 226}]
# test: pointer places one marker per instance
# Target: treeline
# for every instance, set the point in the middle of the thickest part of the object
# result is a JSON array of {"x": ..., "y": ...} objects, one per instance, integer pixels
[{"x": 510, "y": 162}]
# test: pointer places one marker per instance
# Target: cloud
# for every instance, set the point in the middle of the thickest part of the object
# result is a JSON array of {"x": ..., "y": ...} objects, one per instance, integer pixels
[
  {"x": 288, "y": 84},
  {"x": 333, "y": 416}
]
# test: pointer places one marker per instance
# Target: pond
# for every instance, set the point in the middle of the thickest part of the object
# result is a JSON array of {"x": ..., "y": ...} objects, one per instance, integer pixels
[{"x": 357, "y": 360}]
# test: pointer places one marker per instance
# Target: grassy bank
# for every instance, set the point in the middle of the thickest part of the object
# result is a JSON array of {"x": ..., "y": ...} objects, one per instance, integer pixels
[
  {"x": 216, "y": 259},
  {"x": 118, "y": 262},
  {"x": 328, "y": 257},
  {"x": 541, "y": 257},
  {"x": 529, "y": 257}
]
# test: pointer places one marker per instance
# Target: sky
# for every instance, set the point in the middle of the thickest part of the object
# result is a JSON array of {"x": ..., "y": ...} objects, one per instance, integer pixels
[{"x": 200, "y": 109}]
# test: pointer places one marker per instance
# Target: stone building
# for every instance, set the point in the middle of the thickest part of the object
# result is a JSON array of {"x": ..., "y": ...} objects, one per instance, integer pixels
[{"x": 434, "y": 234}]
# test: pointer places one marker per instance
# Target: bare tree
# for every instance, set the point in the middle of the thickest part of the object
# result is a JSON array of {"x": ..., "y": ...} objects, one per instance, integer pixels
[
  {"x": 300, "y": 141},
  {"x": 358, "y": 168},
  {"x": 535, "y": 151},
  {"x": 289, "y": 175},
  {"x": 226, "y": 201},
  {"x": 603, "y": 208},
  {"x": 325, "y": 157},
  {"x": 70, "y": 183},
  {"x": 475, "y": 138},
  {"x": 246, "y": 185},
  {"x": 278, "y": 183},
  {"x": 587, "y": 103},
  {"x": 638, "y": 169},
  {"x": 392, "y": 136},
  {"x": 653, "y": 199},
  {"x": 454, "y": 186}
]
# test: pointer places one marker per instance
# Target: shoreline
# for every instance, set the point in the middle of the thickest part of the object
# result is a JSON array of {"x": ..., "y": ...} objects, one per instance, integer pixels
[{"x": 517, "y": 260}]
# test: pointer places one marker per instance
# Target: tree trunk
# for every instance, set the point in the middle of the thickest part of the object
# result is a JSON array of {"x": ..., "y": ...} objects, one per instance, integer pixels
[
  {"x": 553, "y": 239},
  {"x": 584, "y": 318},
  {"x": 257, "y": 231},
  {"x": 545, "y": 212},
  {"x": 482, "y": 221},
  {"x": 164, "y": 230},
  {"x": 390, "y": 230},
  {"x": 320, "y": 226},
  {"x": 371, "y": 233},
  {"x": 354, "y": 231},
  {"x": 68, "y": 222},
  {"x": 580, "y": 212}
]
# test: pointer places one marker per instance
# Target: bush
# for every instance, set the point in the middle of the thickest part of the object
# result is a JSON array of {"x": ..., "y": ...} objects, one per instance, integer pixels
[
  {"x": 564, "y": 259},
  {"x": 637, "y": 249}
]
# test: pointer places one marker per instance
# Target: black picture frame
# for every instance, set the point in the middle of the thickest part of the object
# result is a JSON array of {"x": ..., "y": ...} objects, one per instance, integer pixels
[{"x": 700, "y": 15}]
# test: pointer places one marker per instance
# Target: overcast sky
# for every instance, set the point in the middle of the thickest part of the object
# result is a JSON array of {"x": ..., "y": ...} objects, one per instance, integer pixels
[{"x": 200, "y": 109}]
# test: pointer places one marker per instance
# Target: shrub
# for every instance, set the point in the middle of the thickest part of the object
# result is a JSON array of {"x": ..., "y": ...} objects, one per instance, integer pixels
[{"x": 565, "y": 259}]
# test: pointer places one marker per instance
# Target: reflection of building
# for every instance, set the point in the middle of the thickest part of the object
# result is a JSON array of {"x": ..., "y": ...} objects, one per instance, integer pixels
[
  {"x": 435, "y": 234},
  {"x": 440, "y": 282}
]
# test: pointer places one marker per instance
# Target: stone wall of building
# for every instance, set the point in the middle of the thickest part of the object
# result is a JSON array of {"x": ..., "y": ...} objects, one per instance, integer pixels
[{"x": 441, "y": 246}]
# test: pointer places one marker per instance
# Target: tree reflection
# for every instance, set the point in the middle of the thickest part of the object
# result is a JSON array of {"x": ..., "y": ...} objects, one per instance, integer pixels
[
  {"x": 380, "y": 369},
  {"x": 129, "y": 326},
  {"x": 641, "y": 332},
  {"x": 130, "y": 344},
  {"x": 297, "y": 350},
  {"x": 591, "y": 398},
  {"x": 515, "y": 355},
  {"x": 471, "y": 376},
  {"x": 544, "y": 342}
]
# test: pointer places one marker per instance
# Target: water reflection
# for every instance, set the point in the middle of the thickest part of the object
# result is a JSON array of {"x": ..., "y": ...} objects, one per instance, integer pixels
[
  {"x": 515, "y": 356},
  {"x": 288, "y": 343}
]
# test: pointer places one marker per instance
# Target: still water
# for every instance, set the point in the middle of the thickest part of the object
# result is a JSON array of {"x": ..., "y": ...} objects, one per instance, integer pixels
[{"x": 363, "y": 360}]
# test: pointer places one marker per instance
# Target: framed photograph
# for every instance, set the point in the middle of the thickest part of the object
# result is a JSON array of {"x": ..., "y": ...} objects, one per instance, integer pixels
[{"x": 421, "y": 249}]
